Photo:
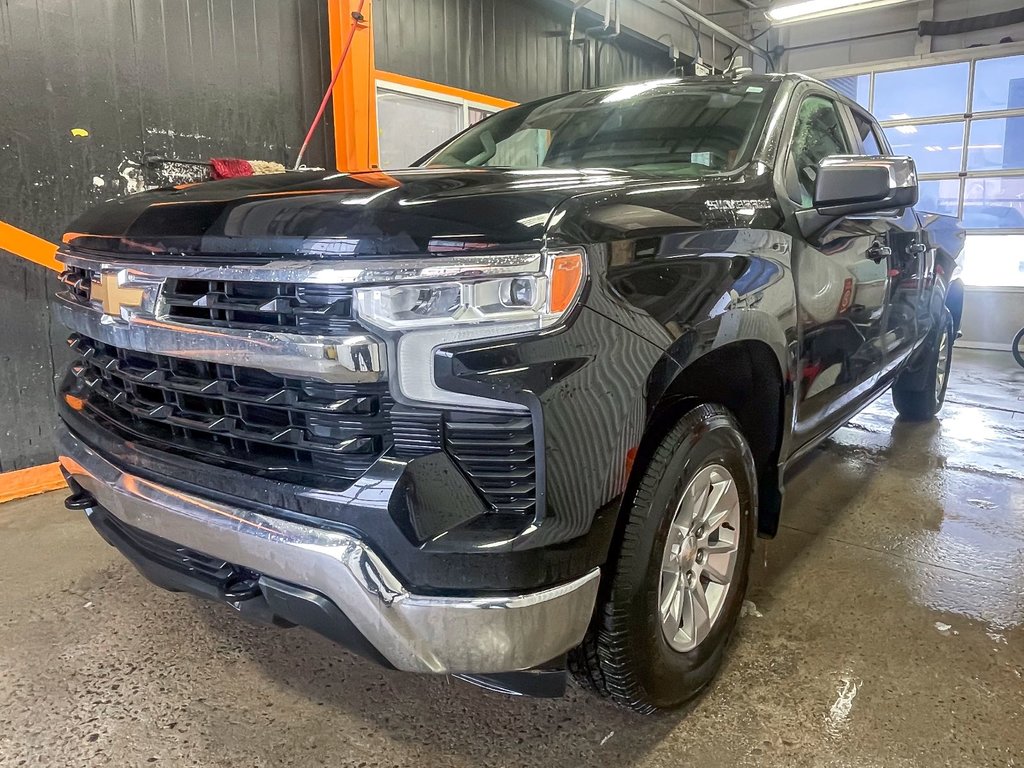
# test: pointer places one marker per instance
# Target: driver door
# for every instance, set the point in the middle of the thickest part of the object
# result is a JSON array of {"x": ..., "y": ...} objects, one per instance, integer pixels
[{"x": 842, "y": 280}]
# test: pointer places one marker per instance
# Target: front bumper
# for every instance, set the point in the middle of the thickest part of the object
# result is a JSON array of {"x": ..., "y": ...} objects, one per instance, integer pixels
[{"x": 412, "y": 632}]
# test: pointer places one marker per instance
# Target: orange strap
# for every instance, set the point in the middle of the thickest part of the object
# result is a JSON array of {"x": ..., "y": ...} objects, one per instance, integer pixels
[{"x": 28, "y": 246}]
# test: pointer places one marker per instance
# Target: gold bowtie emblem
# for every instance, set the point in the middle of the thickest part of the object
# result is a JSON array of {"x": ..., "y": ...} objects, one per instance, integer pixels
[{"x": 112, "y": 295}]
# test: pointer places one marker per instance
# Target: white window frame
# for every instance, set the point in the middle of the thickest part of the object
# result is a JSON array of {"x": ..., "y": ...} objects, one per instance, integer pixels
[
  {"x": 968, "y": 117},
  {"x": 969, "y": 55},
  {"x": 426, "y": 93}
]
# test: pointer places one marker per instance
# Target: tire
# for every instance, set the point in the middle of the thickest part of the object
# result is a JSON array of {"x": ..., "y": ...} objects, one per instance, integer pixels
[
  {"x": 922, "y": 400},
  {"x": 1018, "y": 348},
  {"x": 637, "y": 651}
]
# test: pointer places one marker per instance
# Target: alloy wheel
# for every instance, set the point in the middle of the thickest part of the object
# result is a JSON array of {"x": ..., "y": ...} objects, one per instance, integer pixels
[{"x": 700, "y": 557}]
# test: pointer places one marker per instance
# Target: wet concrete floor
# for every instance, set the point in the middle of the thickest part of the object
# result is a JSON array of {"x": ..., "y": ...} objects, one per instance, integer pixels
[{"x": 884, "y": 628}]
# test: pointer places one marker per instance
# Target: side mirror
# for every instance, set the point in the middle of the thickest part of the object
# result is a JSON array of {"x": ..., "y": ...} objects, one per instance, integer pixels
[{"x": 850, "y": 184}]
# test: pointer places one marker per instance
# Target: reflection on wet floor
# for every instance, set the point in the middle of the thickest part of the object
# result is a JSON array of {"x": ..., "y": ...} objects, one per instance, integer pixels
[
  {"x": 884, "y": 627},
  {"x": 946, "y": 494}
]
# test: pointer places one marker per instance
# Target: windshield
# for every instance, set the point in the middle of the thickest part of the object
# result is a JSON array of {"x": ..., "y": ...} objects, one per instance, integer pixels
[{"x": 664, "y": 127}]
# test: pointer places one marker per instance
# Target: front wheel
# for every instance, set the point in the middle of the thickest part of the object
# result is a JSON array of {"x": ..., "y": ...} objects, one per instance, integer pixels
[
  {"x": 677, "y": 586},
  {"x": 923, "y": 399}
]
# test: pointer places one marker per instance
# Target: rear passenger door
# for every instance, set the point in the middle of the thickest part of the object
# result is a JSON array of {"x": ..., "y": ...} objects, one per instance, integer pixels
[
  {"x": 842, "y": 277},
  {"x": 907, "y": 314}
]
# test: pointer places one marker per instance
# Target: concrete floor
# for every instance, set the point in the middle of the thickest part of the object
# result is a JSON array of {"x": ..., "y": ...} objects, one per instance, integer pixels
[{"x": 884, "y": 629}]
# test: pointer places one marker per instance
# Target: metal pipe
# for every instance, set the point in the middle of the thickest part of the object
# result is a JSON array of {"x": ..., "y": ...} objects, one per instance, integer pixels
[
  {"x": 577, "y": 4},
  {"x": 719, "y": 30}
]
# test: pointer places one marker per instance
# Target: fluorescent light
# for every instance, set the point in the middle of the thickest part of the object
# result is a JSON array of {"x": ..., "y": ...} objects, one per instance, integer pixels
[
  {"x": 816, "y": 9},
  {"x": 907, "y": 129}
]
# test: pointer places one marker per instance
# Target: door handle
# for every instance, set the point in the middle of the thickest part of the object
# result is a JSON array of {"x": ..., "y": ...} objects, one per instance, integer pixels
[
  {"x": 915, "y": 249},
  {"x": 877, "y": 252}
]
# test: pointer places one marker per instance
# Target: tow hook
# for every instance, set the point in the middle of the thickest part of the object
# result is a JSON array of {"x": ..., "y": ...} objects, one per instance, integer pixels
[
  {"x": 79, "y": 501},
  {"x": 242, "y": 589}
]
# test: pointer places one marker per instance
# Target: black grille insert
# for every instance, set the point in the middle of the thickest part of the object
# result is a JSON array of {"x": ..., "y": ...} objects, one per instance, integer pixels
[
  {"x": 498, "y": 454},
  {"x": 292, "y": 307},
  {"x": 290, "y": 429}
]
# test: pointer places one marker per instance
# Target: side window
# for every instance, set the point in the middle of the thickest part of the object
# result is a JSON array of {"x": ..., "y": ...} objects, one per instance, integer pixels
[
  {"x": 818, "y": 134},
  {"x": 868, "y": 135}
]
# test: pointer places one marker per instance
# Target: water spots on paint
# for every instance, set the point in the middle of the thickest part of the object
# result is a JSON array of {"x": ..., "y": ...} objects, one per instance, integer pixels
[{"x": 838, "y": 715}]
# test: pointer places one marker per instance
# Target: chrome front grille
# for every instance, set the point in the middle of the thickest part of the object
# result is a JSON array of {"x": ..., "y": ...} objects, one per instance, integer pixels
[
  {"x": 77, "y": 281},
  {"x": 306, "y": 308},
  {"x": 287, "y": 428},
  {"x": 264, "y": 370}
]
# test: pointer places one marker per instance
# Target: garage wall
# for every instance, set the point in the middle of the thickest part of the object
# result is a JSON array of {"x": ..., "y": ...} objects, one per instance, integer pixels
[
  {"x": 513, "y": 49},
  {"x": 89, "y": 88},
  {"x": 887, "y": 33}
]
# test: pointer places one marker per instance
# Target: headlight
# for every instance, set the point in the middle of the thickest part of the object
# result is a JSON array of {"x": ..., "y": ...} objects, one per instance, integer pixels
[{"x": 486, "y": 302}]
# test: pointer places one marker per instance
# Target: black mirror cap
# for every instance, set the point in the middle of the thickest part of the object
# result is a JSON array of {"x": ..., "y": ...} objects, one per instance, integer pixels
[{"x": 851, "y": 184}]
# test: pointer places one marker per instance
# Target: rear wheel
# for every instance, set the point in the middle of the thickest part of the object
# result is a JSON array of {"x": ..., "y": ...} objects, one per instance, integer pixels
[
  {"x": 676, "y": 588},
  {"x": 1018, "y": 348},
  {"x": 923, "y": 399}
]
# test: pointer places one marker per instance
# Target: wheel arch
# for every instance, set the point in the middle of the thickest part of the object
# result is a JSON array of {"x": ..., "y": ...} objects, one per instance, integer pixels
[{"x": 727, "y": 375}]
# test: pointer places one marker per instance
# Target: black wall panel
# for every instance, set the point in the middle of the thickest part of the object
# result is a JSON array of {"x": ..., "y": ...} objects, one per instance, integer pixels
[
  {"x": 189, "y": 79},
  {"x": 513, "y": 49}
]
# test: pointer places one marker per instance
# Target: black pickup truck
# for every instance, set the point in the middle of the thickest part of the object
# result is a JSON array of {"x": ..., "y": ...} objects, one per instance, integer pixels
[{"x": 521, "y": 409}]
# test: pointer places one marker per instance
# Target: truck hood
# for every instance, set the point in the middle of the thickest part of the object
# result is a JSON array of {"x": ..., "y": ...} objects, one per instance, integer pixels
[{"x": 315, "y": 214}]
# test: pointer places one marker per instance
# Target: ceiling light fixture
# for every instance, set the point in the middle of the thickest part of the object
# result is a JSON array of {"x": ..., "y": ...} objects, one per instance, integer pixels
[{"x": 787, "y": 13}]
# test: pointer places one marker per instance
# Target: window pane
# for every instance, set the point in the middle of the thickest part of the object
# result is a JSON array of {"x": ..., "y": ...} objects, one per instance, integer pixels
[
  {"x": 935, "y": 148},
  {"x": 940, "y": 196},
  {"x": 476, "y": 114},
  {"x": 853, "y": 86},
  {"x": 818, "y": 134},
  {"x": 921, "y": 92},
  {"x": 866, "y": 133},
  {"x": 996, "y": 144},
  {"x": 434, "y": 120},
  {"x": 999, "y": 84},
  {"x": 994, "y": 260},
  {"x": 994, "y": 203}
]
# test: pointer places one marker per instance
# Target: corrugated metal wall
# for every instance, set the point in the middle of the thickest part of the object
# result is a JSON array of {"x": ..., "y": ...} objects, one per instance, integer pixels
[
  {"x": 513, "y": 49},
  {"x": 191, "y": 79}
]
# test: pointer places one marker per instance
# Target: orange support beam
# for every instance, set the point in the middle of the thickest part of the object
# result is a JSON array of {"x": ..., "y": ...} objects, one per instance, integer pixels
[
  {"x": 28, "y": 246},
  {"x": 28, "y": 482},
  {"x": 444, "y": 90},
  {"x": 354, "y": 103}
]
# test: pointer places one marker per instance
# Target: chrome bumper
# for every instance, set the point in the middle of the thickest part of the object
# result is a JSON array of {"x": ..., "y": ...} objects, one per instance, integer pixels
[{"x": 416, "y": 633}]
